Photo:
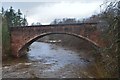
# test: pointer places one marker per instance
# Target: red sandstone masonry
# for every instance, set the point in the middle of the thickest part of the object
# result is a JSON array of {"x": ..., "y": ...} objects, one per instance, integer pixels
[{"x": 22, "y": 36}]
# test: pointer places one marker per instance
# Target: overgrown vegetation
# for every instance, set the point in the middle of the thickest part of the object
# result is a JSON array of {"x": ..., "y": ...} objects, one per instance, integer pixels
[
  {"x": 110, "y": 55},
  {"x": 10, "y": 18},
  {"x": 110, "y": 31},
  {"x": 108, "y": 23},
  {"x": 5, "y": 38},
  {"x": 13, "y": 18}
]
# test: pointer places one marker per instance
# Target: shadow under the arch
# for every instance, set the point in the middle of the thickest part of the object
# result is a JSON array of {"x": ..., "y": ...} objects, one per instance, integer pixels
[{"x": 24, "y": 48}]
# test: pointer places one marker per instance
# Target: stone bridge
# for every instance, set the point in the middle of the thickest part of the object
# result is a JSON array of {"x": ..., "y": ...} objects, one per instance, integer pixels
[{"x": 22, "y": 37}]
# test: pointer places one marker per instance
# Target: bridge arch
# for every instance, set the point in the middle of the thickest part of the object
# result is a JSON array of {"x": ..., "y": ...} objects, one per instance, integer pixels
[{"x": 29, "y": 42}]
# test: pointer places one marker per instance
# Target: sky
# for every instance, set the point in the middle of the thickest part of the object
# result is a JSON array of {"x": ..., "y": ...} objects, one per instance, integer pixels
[{"x": 45, "y": 11}]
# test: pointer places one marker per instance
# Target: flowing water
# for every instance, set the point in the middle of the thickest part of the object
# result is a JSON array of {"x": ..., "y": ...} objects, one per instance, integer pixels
[{"x": 46, "y": 60}]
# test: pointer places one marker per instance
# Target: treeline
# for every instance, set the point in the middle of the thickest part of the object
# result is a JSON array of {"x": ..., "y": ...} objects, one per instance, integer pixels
[
  {"x": 10, "y": 18},
  {"x": 112, "y": 16},
  {"x": 13, "y": 18},
  {"x": 65, "y": 21},
  {"x": 108, "y": 21}
]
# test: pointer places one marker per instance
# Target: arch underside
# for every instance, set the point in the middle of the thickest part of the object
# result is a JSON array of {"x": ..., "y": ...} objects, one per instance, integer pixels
[{"x": 95, "y": 45}]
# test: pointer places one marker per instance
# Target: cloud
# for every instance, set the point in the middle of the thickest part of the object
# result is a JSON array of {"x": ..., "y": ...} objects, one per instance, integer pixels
[
  {"x": 49, "y": 0},
  {"x": 45, "y": 14},
  {"x": 45, "y": 11}
]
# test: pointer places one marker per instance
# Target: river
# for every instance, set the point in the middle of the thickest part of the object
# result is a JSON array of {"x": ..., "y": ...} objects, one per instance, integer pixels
[{"x": 48, "y": 60}]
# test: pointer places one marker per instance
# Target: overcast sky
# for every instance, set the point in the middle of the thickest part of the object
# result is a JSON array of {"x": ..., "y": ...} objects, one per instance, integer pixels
[{"x": 45, "y": 11}]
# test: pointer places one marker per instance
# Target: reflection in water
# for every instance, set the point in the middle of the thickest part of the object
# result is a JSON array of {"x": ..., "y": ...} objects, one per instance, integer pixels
[{"x": 45, "y": 60}]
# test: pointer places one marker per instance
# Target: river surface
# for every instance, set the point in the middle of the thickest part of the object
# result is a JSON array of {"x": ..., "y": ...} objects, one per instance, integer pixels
[{"x": 46, "y": 60}]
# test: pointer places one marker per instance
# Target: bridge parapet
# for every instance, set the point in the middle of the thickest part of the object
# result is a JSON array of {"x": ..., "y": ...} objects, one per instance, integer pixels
[{"x": 23, "y": 36}]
